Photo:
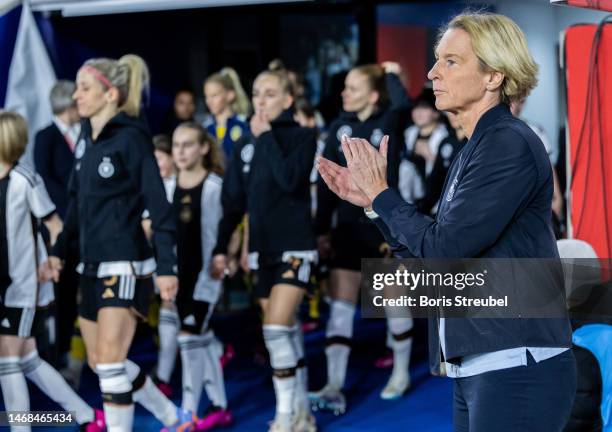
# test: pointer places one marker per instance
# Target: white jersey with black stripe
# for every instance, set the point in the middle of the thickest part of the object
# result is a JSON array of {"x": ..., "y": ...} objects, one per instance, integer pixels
[
  {"x": 25, "y": 197},
  {"x": 208, "y": 289}
]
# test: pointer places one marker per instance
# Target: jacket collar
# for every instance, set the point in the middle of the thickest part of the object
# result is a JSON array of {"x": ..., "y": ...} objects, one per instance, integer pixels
[
  {"x": 285, "y": 118},
  {"x": 352, "y": 116},
  {"x": 489, "y": 119}
]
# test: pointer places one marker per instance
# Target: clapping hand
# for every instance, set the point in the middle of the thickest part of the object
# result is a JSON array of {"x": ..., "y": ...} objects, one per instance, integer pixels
[{"x": 365, "y": 176}]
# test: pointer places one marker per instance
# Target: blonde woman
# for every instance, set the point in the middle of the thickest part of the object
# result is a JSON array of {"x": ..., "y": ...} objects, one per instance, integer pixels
[
  {"x": 229, "y": 108},
  {"x": 115, "y": 178},
  {"x": 509, "y": 374},
  {"x": 268, "y": 177}
]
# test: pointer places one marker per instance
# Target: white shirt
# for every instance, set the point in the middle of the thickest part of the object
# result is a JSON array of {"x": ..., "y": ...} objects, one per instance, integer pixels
[
  {"x": 72, "y": 132},
  {"x": 170, "y": 186},
  {"x": 486, "y": 362}
]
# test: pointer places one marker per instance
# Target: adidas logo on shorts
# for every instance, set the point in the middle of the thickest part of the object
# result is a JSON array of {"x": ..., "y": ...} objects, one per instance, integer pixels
[
  {"x": 190, "y": 320},
  {"x": 108, "y": 293},
  {"x": 6, "y": 323}
]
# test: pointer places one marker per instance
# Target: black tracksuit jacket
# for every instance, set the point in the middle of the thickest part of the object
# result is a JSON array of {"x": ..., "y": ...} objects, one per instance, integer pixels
[
  {"x": 268, "y": 178},
  {"x": 113, "y": 180}
]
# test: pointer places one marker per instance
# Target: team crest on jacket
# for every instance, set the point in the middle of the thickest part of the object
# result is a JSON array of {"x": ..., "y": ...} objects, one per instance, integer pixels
[
  {"x": 344, "y": 130},
  {"x": 446, "y": 151},
  {"x": 376, "y": 137},
  {"x": 247, "y": 152},
  {"x": 235, "y": 133},
  {"x": 106, "y": 168},
  {"x": 79, "y": 151}
]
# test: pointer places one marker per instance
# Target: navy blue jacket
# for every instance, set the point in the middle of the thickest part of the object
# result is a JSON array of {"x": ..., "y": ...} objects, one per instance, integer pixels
[
  {"x": 496, "y": 203},
  {"x": 53, "y": 160},
  {"x": 114, "y": 179},
  {"x": 235, "y": 129}
]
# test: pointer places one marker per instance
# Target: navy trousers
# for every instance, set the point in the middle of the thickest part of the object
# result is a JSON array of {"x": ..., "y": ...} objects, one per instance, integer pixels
[{"x": 533, "y": 398}]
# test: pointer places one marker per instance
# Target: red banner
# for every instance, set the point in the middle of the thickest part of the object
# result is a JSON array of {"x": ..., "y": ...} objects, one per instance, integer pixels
[
  {"x": 407, "y": 46},
  {"x": 588, "y": 62},
  {"x": 604, "y": 5}
]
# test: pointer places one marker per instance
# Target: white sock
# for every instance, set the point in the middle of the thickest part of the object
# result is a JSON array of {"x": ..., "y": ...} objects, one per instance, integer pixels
[
  {"x": 168, "y": 332},
  {"x": 115, "y": 383},
  {"x": 149, "y": 396},
  {"x": 339, "y": 333},
  {"x": 214, "y": 382},
  {"x": 119, "y": 418},
  {"x": 401, "y": 330},
  {"x": 284, "y": 389},
  {"x": 301, "y": 403},
  {"x": 51, "y": 383},
  {"x": 401, "y": 358},
  {"x": 337, "y": 364},
  {"x": 14, "y": 388},
  {"x": 192, "y": 357},
  {"x": 283, "y": 361}
]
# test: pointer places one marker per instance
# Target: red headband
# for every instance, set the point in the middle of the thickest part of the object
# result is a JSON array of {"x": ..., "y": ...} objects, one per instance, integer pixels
[{"x": 99, "y": 75}]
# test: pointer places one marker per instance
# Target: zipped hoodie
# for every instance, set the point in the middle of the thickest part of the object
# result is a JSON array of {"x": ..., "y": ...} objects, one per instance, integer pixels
[
  {"x": 269, "y": 178},
  {"x": 113, "y": 180}
]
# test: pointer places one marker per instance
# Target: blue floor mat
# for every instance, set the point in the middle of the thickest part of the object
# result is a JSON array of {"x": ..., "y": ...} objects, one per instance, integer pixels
[{"x": 427, "y": 407}]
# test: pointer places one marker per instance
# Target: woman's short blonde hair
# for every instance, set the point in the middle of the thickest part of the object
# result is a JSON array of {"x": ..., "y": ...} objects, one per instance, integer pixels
[
  {"x": 13, "y": 136},
  {"x": 500, "y": 45}
]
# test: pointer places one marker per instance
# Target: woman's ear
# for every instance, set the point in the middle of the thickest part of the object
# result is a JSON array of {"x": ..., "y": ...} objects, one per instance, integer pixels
[
  {"x": 112, "y": 95},
  {"x": 288, "y": 102},
  {"x": 495, "y": 80},
  {"x": 374, "y": 97},
  {"x": 231, "y": 96},
  {"x": 205, "y": 148}
]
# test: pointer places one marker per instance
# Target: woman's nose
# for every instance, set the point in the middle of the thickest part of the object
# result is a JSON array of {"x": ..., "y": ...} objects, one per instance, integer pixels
[{"x": 433, "y": 72}]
